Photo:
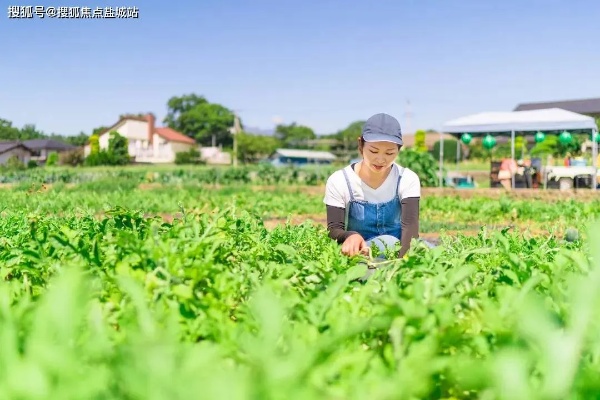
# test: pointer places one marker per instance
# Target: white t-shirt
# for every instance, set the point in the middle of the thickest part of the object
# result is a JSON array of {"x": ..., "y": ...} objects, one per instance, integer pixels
[{"x": 337, "y": 194}]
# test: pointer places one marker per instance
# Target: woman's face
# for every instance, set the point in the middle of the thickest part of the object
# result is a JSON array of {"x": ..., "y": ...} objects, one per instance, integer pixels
[{"x": 378, "y": 156}]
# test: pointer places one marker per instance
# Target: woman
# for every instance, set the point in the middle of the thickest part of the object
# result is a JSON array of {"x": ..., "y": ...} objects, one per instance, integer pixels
[
  {"x": 508, "y": 168},
  {"x": 378, "y": 198}
]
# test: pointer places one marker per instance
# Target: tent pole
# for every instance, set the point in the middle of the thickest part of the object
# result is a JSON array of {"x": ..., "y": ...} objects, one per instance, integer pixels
[
  {"x": 594, "y": 159},
  {"x": 512, "y": 154},
  {"x": 441, "y": 157},
  {"x": 457, "y": 153}
]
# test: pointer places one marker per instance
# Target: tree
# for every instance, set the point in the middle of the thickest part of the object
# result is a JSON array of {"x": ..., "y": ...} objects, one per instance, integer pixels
[
  {"x": 420, "y": 141},
  {"x": 294, "y": 134},
  {"x": 7, "y": 131},
  {"x": 547, "y": 147},
  {"x": 94, "y": 144},
  {"x": 520, "y": 146},
  {"x": 449, "y": 150},
  {"x": 116, "y": 154},
  {"x": 253, "y": 147},
  {"x": 552, "y": 146},
  {"x": 194, "y": 116},
  {"x": 79, "y": 140},
  {"x": 350, "y": 133},
  {"x": 28, "y": 132},
  {"x": 118, "y": 148}
]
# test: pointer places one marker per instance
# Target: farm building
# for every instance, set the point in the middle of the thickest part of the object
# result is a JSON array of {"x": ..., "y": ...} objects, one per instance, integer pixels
[
  {"x": 14, "y": 149},
  {"x": 589, "y": 107},
  {"x": 301, "y": 157},
  {"x": 41, "y": 148},
  {"x": 147, "y": 142}
]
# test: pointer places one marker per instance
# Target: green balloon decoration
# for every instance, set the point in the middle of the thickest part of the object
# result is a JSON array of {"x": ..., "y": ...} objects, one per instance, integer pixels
[
  {"x": 565, "y": 137},
  {"x": 539, "y": 137},
  {"x": 596, "y": 137},
  {"x": 488, "y": 142},
  {"x": 466, "y": 138}
]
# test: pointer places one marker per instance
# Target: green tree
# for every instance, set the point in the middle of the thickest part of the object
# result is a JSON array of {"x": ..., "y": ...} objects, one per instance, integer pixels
[
  {"x": 94, "y": 144},
  {"x": 449, "y": 150},
  {"x": 8, "y": 131},
  {"x": 349, "y": 135},
  {"x": 520, "y": 146},
  {"x": 118, "y": 148},
  {"x": 420, "y": 141},
  {"x": 29, "y": 131},
  {"x": 79, "y": 140},
  {"x": 548, "y": 147},
  {"x": 552, "y": 146},
  {"x": 194, "y": 116},
  {"x": 251, "y": 148},
  {"x": 293, "y": 134}
]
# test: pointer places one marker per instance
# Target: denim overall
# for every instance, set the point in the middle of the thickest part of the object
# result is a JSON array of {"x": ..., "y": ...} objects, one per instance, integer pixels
[{"x": 378, "y": 223}]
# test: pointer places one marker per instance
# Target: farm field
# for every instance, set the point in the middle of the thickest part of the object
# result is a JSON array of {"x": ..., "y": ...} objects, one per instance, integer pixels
[{"x": 186, "y": 284}]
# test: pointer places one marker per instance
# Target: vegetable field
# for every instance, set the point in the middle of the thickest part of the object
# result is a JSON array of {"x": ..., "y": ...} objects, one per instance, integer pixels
[{"x": 137, "y": 287}]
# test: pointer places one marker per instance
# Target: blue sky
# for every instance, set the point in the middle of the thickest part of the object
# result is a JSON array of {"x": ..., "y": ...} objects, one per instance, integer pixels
[{"x": 319, "y": 63}]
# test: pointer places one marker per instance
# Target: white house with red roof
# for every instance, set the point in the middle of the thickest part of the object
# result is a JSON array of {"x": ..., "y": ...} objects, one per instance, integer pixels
[{"x": 147, "y": 143}]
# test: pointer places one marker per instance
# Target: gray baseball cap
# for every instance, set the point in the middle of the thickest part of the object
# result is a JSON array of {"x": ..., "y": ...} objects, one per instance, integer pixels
[{"x": 382, "y": 128}]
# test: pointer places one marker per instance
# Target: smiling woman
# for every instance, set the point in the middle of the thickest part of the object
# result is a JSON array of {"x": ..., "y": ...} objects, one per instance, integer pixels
[{"x": 374, "y": 201}]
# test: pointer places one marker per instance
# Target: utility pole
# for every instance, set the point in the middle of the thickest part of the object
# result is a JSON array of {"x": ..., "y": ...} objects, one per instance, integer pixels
[
  {"x": 408, "y": 115},
  {"x": 235, "y": 131}
]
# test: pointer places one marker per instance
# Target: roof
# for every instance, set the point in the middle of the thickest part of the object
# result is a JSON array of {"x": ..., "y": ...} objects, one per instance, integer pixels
[
  {"x": 38, "y": 144},
  {"x": 312, "y": 154},
  {"x": 582, "y": 106},
  {"x": 551, "y": 119},
  {"x": 164, "y": 132},
  {"x": 173, "y": 136},
  {"x": 10, "y": 145}
]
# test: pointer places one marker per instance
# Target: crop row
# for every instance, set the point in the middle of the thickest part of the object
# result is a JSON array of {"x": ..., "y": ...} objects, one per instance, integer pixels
[
  {"x": 261, "y": 174},
  {"x": 438, "y": 213},
  {"x": 214, "y": 305}
]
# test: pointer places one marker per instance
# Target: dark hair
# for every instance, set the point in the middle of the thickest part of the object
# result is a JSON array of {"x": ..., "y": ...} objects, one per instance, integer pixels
[{"x": 362, "y": 142}]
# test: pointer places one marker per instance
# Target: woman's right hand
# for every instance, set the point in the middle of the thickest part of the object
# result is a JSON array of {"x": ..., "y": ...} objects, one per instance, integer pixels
[{"x": 354, "y": 245}]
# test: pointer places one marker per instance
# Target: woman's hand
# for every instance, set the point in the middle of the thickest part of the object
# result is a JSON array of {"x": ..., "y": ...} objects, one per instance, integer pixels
[{"x": 354, "y": 244}]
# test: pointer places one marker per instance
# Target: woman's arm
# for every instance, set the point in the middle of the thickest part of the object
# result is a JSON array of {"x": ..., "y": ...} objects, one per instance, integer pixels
[
  {"x": 336, "y": 226},
  {"x": 410, "y": 223}
]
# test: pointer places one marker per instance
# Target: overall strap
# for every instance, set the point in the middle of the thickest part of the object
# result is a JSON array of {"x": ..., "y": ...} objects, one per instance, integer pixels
[
  {"x": 399, "y": 179},
  {"x": 348, "y": 183}
]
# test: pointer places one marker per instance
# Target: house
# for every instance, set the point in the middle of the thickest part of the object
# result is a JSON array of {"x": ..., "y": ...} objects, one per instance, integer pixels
[
  {"x": 41, "y": 148},
  {"x": 147, "y": 143},
  {"x": 589, "y": 107},
  {"x": 16, "y": 149},
  {"x": 300, "y": 157}
]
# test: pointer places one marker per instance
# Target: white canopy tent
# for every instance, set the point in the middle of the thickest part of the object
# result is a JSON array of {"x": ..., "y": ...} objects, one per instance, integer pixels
[{"x": 513, "y": 122}]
